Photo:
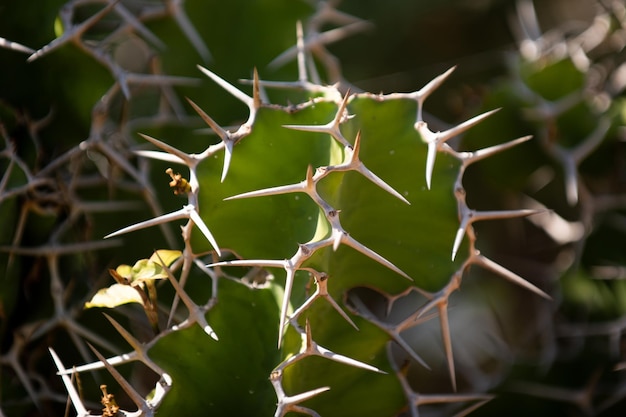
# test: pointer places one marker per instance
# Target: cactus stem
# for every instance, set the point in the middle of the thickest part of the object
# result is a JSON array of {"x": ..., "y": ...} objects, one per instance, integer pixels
[{"x": 304, "y": 252}]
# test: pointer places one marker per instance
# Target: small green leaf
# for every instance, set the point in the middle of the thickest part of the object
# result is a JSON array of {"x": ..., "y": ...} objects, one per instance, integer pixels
[
  {"x": 165, "y": 256},
  {"x": 146, "y": 269},
  {"x": 124, "y": 272},
  {"x": 113, "y": 296},
  {"x": 58, "y": 27}
]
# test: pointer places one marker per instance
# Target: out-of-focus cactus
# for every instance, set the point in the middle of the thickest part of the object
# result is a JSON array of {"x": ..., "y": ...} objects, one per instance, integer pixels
[
  {"x": 340, "y": 255},
  {"x": 566, "y": 88}
]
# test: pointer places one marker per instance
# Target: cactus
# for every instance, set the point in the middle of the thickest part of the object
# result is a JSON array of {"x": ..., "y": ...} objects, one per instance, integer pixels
[
  {"x": 570, "y": 168},
  {"x": 337, "y": 245}
]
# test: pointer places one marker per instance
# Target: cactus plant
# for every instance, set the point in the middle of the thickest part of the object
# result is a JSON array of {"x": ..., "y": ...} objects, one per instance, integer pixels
[{"x": 336, "y": 245}]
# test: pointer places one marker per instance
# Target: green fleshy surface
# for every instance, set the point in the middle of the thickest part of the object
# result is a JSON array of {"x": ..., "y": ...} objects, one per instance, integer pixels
[{"x": 228, "y": 377}]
